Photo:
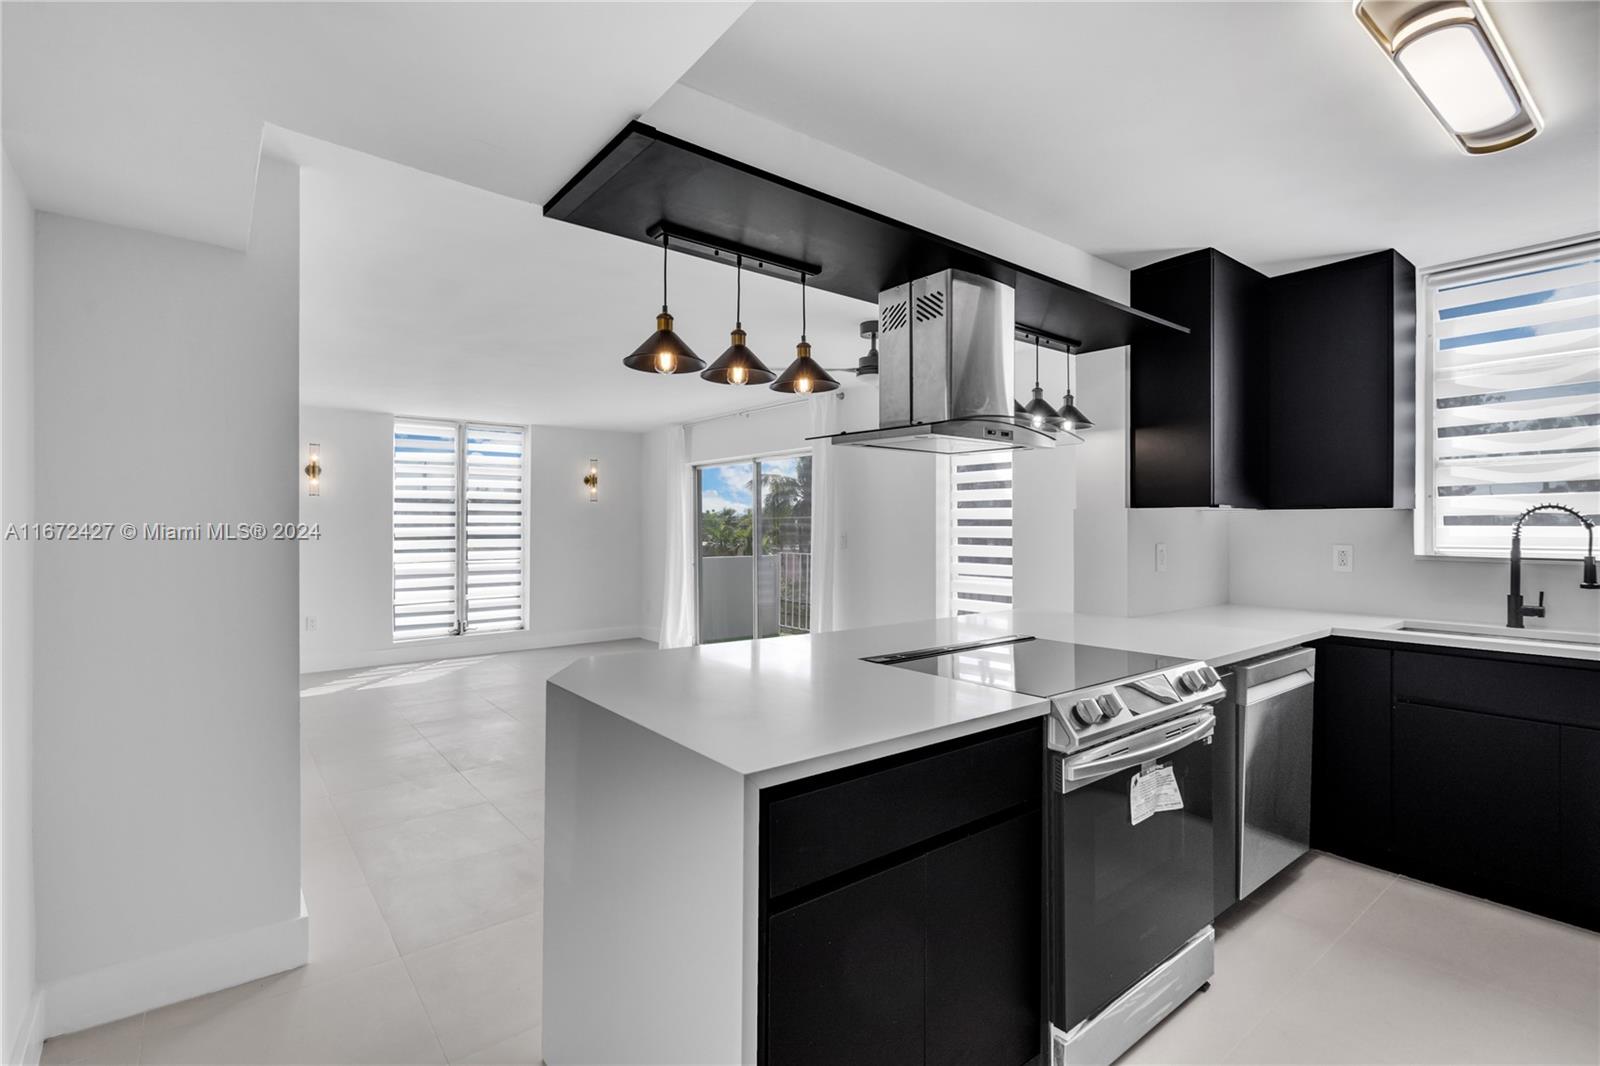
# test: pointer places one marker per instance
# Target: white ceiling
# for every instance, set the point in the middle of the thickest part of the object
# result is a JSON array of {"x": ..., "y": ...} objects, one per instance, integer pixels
[
  {"x": 150, "y": 114},
  {"x": 1277, "y": 132},
  {"x": 424, "y": 296},
  {"x": 1274, "y": 131}
]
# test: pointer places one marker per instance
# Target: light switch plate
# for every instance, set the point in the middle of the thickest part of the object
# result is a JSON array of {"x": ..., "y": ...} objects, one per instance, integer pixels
[
  {"x": 1344, "y": 558},
  {"x": 1161, "y": 558}
]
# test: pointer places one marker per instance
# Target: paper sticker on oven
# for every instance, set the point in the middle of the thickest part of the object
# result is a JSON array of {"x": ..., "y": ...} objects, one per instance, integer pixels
[{"x": 1153, "y": 793}]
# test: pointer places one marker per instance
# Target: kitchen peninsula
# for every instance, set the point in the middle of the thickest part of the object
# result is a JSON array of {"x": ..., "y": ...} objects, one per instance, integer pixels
[{"x": 657, "y": 762}]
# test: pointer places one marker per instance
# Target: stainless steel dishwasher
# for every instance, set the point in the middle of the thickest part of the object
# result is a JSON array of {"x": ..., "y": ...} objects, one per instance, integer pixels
[{"x": 1274, "y": 804}]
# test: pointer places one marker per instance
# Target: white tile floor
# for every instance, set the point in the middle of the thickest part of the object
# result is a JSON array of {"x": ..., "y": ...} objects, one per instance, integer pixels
[
  {"x": 1339, "y": 963},
  {"x": 423, "y": 815}
]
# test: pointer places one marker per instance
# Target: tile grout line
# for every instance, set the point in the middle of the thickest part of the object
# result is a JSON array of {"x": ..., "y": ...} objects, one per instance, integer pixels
[{"x": 1301, "y": 976}]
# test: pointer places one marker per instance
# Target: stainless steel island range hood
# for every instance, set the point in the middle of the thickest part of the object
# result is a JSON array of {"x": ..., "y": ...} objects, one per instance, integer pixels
[{"x": 946, "y": 376}]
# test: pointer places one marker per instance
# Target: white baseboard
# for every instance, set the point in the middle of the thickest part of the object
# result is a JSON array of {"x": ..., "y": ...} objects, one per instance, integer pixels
[
  {"x": 29, "y": 1042},
  {"x": 128, "y": 988},
  {"x": 313, "y": 662}
]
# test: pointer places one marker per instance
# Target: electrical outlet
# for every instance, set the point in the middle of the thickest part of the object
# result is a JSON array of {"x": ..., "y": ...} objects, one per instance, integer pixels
[
  {"x": 844, "y": 541},
  {"x": 1344, "y": 558},
  {"x": 1161, "y": 558},
  {"x": 311, "y": 623}
]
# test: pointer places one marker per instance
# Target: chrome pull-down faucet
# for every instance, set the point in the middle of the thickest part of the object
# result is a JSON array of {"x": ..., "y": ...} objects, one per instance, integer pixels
[{"x": 1515, "y": 611}]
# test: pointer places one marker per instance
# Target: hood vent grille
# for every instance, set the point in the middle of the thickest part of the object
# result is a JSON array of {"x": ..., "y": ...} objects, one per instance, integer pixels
[{"x": 892, "y": 317}]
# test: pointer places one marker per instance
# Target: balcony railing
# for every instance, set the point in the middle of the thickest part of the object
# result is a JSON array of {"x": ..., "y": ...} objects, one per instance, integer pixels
[{"x": 794, "y": 592}]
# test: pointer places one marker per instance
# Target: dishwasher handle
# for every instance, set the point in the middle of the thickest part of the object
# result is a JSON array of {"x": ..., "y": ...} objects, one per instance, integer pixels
[{"x": 1270, "y": 678}]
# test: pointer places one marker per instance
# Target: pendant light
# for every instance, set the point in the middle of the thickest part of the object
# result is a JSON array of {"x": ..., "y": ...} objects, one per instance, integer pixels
[
  {"x": 664, "y": 352},
  {"x": 1069, "y": 417},
  {"x": 738, "y": 365},
  {"x": 805, "y": 375},
  {"x": 1038, "y": 409}
]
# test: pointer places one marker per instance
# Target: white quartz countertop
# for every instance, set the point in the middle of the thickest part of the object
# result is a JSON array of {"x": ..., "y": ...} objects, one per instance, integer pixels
[{"x": 787, "y": 707}]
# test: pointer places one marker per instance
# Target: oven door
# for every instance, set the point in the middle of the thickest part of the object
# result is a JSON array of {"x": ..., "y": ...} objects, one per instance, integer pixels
[{"x": 1125, "y": 897}]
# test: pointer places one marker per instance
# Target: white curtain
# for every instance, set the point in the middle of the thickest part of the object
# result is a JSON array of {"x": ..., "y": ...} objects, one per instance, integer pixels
[
  {"x": 677, "y": 594},
  {"x": 825, "y": 419}
]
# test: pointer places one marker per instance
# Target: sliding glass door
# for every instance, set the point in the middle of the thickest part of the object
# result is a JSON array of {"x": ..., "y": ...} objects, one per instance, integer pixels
[{"x": 754, "y": 563}]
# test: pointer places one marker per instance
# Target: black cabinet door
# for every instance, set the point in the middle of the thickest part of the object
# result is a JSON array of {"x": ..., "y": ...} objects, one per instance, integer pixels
[
  {"x": 984, "y": 938},
  {"x": 845, "y": 974},
  {"x": 1580, "y": 819},
  {"x": 1341, "y": 413},
  {"x": 1476, "y": 799},
  {"x": 1197, "y": 435},
  {"x": 1350, "y": 776}
]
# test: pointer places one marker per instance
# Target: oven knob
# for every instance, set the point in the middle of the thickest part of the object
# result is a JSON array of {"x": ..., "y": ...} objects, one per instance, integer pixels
[
  {"x": 1109, "y": 706},
  {"x": 1186, "y": 681},
  {"x": 1087, "y": 712},
  {"x": 1210, "y": 675}
]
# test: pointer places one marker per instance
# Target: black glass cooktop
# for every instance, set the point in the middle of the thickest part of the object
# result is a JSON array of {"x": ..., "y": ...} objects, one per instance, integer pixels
[{"x": 1030, "y": 665}]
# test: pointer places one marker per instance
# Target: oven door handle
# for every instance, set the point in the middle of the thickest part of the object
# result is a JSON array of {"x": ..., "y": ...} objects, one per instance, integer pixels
[{"x": 1080, "y": 770}]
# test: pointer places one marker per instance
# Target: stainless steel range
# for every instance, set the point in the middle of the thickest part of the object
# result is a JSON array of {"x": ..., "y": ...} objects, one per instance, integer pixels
[{"x": 1128, "y": 914}]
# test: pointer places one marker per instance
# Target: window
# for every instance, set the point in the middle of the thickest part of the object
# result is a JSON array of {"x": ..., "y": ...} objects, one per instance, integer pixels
[
  {"x": 458, "y": 529},
  {"x": 754, "y": 561},
  {"x": 980, "y": 533},
  {"x": 1511, "y": 411}
]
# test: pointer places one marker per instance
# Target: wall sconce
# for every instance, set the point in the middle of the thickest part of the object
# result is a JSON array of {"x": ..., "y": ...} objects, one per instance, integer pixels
[
  {"x": 313, "y": 470},
  {"x": 591, "y": 480}
]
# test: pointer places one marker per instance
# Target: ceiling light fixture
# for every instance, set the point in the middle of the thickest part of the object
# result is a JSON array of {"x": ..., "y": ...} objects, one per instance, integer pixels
[
  {"x": 738, "y": 365},
  {"x": 664, "y": 352},
  {"x": 1038, "y": 409},
  {"x": 1069, "y": 417},
  {"x": 805, "y": 375},
  {"x": 1453, "y": 56}
]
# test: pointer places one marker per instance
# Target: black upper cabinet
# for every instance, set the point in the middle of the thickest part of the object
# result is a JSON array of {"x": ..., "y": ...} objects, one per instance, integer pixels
[
  {"x": 1194, "y": 442},
  {"x": 1289, "y": 392},
  {"x": 1341, "y": 416}
]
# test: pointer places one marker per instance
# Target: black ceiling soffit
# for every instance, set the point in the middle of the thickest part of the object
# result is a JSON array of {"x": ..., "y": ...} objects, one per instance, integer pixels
[{"x": 712, "y": 207}]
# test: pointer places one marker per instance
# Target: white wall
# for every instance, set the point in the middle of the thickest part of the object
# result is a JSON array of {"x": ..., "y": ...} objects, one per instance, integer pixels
[
  {"x": 167, "y": 734},
  {"x": 583, "y": 559},
  {"x": 18, "y": 987},
  {"x": 1285, "y": 559}
]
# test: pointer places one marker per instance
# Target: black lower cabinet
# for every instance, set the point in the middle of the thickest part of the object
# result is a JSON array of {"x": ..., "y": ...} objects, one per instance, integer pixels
[
  {"x": 1475, "y": 799},
  {"x": 984, "y": 942},
  {"x": 903, "y": 909},
  {"x": 1476, "y": 771},
  {"x": 1580, "y": 821},
  {"x": 1350, "y": 775},
  {"x": 846, "y": 974}
]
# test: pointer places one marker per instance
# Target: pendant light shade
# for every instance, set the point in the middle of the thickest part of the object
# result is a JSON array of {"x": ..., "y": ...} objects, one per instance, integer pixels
[
  {"x": 664, "y": 352},
  {"x": 805, "y": 375},
  {"x": 738, "y": 365},
  {"x": 1038, "y": 409},
  {"x": 1069, "y": 417}
]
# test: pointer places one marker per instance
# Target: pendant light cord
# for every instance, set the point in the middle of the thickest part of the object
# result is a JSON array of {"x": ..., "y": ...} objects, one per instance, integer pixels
[
  {"x": 802, "y": 307},
  {"x": 663, "y": 271},
  {"x": 1036, "y": 360},
  {"x": 738, "y": 292}
]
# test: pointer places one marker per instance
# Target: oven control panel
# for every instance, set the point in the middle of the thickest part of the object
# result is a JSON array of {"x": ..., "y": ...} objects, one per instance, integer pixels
[{"x": 1089, "y": 716}]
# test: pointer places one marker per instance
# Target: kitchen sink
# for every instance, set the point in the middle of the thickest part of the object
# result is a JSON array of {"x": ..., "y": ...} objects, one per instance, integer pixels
[{"x": 1532, "y": 636}]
